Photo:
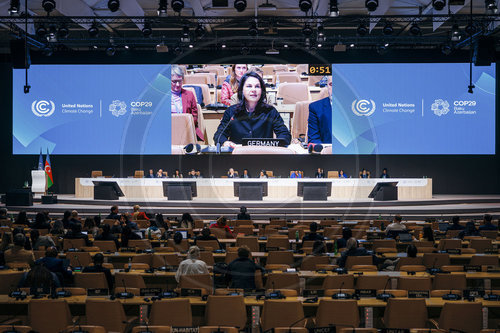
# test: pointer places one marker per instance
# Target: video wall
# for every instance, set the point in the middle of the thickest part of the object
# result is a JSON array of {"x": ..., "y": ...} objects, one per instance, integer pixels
[{"x": 159, "y": 109}]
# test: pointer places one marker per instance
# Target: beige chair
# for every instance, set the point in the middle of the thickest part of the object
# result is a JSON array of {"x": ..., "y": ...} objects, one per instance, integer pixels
[
  {"x": 105, "y": 246},
  {"x": 288, "y": 77},
  {"x": 300, "y": 119},
  {"x": 448, "y": 244},
  {"x": 81, "y": 259},
  {"x": 198, "y": 281},
  {"x": 480, "y": 245},
  {"x": 262, "y": 150},
  {"x": 153, "y": 329},
  {"x": 132, "y": 280},
  {"x": 107, "y": 313},
  {"x": 293, "y": 92},
  {"x": 338, "y": 281},
  {"x": 448, "y": 281},
  {"x": 464, "y": 316},
  {"x": 208, "y": 243},
  {"x": 489, "y": 260},
  {"x": 278, "y": 242},
  {"x": 302, "y": 68},
  {"x": 358, "y": 260},
  {"x": 283, "y": 281},
  {"x": 139, "y": 174},
  {"x": 73, "y": 243},
  {"x": 384, "y": 243},
  {"x": 309, "y": 263},
  {"x": 280, "y": 68},
  {"x": 251, "y": 242},
  {"x": 436, "y": 260},
  {"x": 372, "y": 282},
  {"x": 414, "y": 283},
  {"x": 333, "y": 174},
  {"x": 183, "y": 129},
  {"x": 178, "y": 310},
  {"x": 405, "y": 313},
  {"x": 207, "y": 99},
  {"x": 280, "y": 257},
  {"x": 234, "y": 313},
  {"x": 282, "y": 313},
  {"x": 198, "y": 78},
  {"x": 49, "y": 315},
  {"x": 91, "y": 280},
  {"x": 141, "y": 244},
  {"x": 96, "y": 173},
  {"x": 339, "y": 313}
]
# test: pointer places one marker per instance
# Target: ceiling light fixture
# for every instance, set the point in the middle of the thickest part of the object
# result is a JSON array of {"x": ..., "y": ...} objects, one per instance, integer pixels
[{"x": 113, "y": 5}]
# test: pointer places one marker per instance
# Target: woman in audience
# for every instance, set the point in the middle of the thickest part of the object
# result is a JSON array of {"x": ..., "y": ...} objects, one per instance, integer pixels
[
  {"x": 37, "y": 241},
  {"x": 57, "y": 228},
  {"x": 40, "y": 222},
  {"x": 138, "y": 215},
  {"x": 22, "y": 218},
  {"x": 127, "y": 234},
  {"x": 106, "y": 235},
  {"x": 192, "y": 265},
  {"x": 160, "y": 222},
  {"x": 222, "y": 224},
  {"x": 39, "y": 279},
  {"x": 346, "y": 234},
  {"x": 153, "y": 232},
  {"x": 428, "y": 234},
  {"x": 230, "y": 86},
  {"x": 390, "y": 265},
  {"x": 90, "y": 227},
  {"x": 470, "y": 230},
  {"x": 186, "y": 221},
  {"x": 66, "y": 218}
]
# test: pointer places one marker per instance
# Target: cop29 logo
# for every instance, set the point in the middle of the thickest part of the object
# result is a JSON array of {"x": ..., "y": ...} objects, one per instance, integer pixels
[
  {"x": 440, "y": 107},
  {"x": 118, "y": 108},
  {"x": 363, "y": 107},
  {"x": 43, "y": 108}
]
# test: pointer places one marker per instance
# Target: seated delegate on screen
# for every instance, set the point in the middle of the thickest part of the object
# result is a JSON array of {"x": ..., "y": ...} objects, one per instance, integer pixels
[
  {"x": 319, "y": 128},
  {"x": 251, "y": 117}
]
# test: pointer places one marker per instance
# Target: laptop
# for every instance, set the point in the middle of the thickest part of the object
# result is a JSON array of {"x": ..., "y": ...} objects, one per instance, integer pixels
[{"x": 405, "y": 237}]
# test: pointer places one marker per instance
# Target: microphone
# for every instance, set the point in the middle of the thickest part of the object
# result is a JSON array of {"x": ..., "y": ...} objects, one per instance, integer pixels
[
  {"x": 295, "y": 323},
  {"x": 192, "y": 149},
  {"x": 124, "y": 294},
  {"x": 434, "y": 270},
  {"x": 451, "y": 296},
  {"x": 79, "y": 267},
  {"x": 491, "y": 296},
  {"x": 385, "y": 296},
  {"x": 314, "y": 148},
  {"x": 220, "y": 134},
  {"x": 340, "y": 294}
]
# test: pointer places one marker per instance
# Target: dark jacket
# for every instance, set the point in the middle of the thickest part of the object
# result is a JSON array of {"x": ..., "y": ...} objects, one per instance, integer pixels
[
  {"x": 360, "y": 251},
  {"x": 56, "y": 266},
  {"x": 241, "y": 271},
  {"x": 243, "y": 216},
  {"x": 319, "y": 123},
  {"x": 99, "y": 269},
  {"x": 237, "y": 124}
]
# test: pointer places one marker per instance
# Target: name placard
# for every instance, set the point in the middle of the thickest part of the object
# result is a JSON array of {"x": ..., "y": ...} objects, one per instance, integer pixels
[
  {"x": 313, "y": 293},
  {"x": 97, "y": 292},
  {"x": 418, "y": 294},
  {"x": 366, "y": 292},
  {"x": 472, "y": 268},
  {"x": 454, "y": 251},
  {"x": 266, "y": 142},
  {"x": 191, "y": 292},
  {"x": 150, "y": 291}
]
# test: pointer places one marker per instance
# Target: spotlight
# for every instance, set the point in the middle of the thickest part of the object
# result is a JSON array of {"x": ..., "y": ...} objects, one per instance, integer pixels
[
  {"x": 41, "y": 31},
  {"x": 110, "y": 51},
  {"x": 200, "y": 30},
  {"x": 455, "y": 33},
  {"x": 438, "y": 4},
  {"x": 388, "y": 29},
  {"x": 93, "y": 30},
  {"x": 178, "y": 50},
  {"x": 48, "y": 51},
  {"x": 253, "y": 30},
  {"x": 126, "y": 47},
  {"x": 446, "y": 49},
  {"x": 371, "y": 5},
  {"x": 147, "y": 30},
  {"x": 48, "y": 5},
  {"x": 185, "y": 38},
  {"x": 491, "y": 7},
  {"x": 63, "y": 31},
  {"x": 305, "y": 5},
  {"x": 223, "y": 46},
  {"x": 321, "y": 34},
  {"x": 177, "y": 5},
  {"x": 113, "y": 5},
  {"x": 162, "y": 8},
  {"x": 382, "y": 48},
  {"x": 240, "y": 5},
  {"x": 334, "y": 8},
  {"x": 362, "y": 29},
  {"x": 307, "y": 30},
  {"x": 245, "y": 50},
  {"x": 51, "y": 35},
  {"x": 191, "y": 46},
  {"x": 14, "y": 7},
  {"x": 415, "y": 29},
  {"x": 285, "y": 45},
  {"x": 352, "y": 45},
  {"x": 471, "y": 28}
]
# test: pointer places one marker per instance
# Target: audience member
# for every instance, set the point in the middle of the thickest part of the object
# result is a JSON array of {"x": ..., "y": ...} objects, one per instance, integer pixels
[
  {"x": 127, "y": 234},
  {"x": 153, "y": 232},
  {"x": 187, "y": 221},
  {"x": 27, "y": 242},
  {"x": 37, "y": 240},
  {"x": 241, "y": 271},
  {"x": 138, "y": 215},
  {"x": 231, "y": 84},
  {"x": 470, "y": 230},
  {"x": 352, "y": 249},
  {"x": 90, "y": 226},
  {"x": 312, "y": 235},
  {"x": 57, "y": 266},
  {"x": 22, "y": 218},
  {"x": 40, "y": 222},
  {"x": 113, "y": 215},
  {"x": 75, "y": 219},
  {"x": 40, "y": 280},
  {"x": 319, "y": 248},
  {"x": 3, "y": 214},
  {"x": 346, "y": 234},
  {"x": 66, "y": 218},
  {"x": 221, "y": 224},
  {"x": 390, "y": 265},
  {"x": 205, "y": 235},
  {"x": 106, "y": 235},
  {"x": 243, "y": 214},
  {"x": 17, "y": 254},
  {"x": 319, "y": 173},
  {"x": 160, "y": 222},
  {"x": 487, "y": 223},
  {"x": 192, "y": 265},
  {"x": 395, "y": 228},
  {"x": 6, "y": 242},
  {"x": 98, "y": 260},
  {"x": 428, "y": 234},
  {"x": 455, "y": 224},
  {"x": 76, "y": 233},
  {"x": 125, "y": 221}
]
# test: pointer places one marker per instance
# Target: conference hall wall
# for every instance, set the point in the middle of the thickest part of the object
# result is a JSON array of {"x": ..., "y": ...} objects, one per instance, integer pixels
[{"x": 410, "y": 138}]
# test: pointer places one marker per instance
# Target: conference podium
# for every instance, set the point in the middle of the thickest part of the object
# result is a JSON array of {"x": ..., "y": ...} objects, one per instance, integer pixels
[{"x": 250, "y": 191}]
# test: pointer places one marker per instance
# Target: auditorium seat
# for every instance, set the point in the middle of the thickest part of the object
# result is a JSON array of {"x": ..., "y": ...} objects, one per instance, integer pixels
[
  {"x": 384, "y": 243},
  {"x": 309, "y": 263},
  {"x": 278, "y": 242},
  {"x": 436, "y": 260},
  {"x": 251, "y": 242},
  {"x": 372, "y": 282},
  {"x": 75, "y": 291},
  {"x": 182, "y": 247},
  {"x": 207, "y": 257},
  {"x": 136, "y": 266},
  {"x": 17, "y": 329},
  {"x": 246, "y": 230},
  {"x": 293, "y": 92},
  {"x": 338, "y": 313},
  {"x": 338, "y": 281},
  {"x": 419, "y": 244},
  {"x": 10, "y": 280},
  {"x": 234, "y": 313},
  {"x": 280, "y": 68},
  {"x": 405, "y": 313},
  {"x": 81, "y": 259},
  {"x": 197, "y": 281},
  {"x": 73, "y": 243},
  {"x": 49, "y": 315},
  {"x": 107, "y": 313},
  {"x": 447, "y": 244},
  {"x": 364, "y": 268},
  {"x": 394, "y": 292},
  {"x": 208, "y": 243},
  {"x": 480, "y": 245},
  {"x": 358, "y": 260},
  {"x": 183, "y": 129},
  {"x": 491, "y": 234},
  {"x": 171, "y": 259},
  {"x": 140, "y": 244},
  {"x": 449, "y": 281},
  {"x": 418, "y": 283},
  {"x": 404, "y": 261},
  {"x": 333, "y": 174},
  {"x": 106, "y": 246},
  {"x": 282, "y": 313},
  {"x": 280, "y": 257},
  {"x": 491, "y": 260},
  {"x": 230, "y": 256},
  {"x": 91, "y": 280},
  {"x": 139, "y": 174},
  {"x": 129, "y": 280},
  {"x": 287, "y": 77},
  {"x": 412, "y": 268},
  {"x": 283, "y": 281},
  {"x": 178, "y": 310},
  {"x": 466, "y": 316},
  {"x": 153, "y": 329},
  {"x": 96, "y": 173}
]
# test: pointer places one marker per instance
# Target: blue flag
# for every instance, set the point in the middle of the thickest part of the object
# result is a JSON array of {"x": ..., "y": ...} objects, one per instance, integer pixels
[{"x": 40, "y": 161}]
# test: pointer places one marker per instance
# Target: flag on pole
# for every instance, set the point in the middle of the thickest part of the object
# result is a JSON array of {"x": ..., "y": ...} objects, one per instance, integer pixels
[
  {"x": 40, "y": 160},
  {"x": 48, "y": 171}
]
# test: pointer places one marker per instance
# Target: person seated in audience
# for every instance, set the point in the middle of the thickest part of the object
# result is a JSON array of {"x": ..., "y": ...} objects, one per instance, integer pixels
[
  {"x": 57, "y": 266},
  {"x": 243, "y": 214},
  {"x": 263, "y": 174},
  {"x": 177, "y": 174},
  {"x": 127, "y": 234},
  {"x": 27, "y": 242},
  {"x": 152, "y": 232},
  {"x": 37, "y": 240},
  {"x": 90, "y": 227},
  {"x": 66, "y": 218},
  {"x": 319, "y": 248},
  {"x": 114, "y": 214},
  {"x": 470, "y": 230},
  {"x": 40, "y": 280},
  {"x": 106, "y": 235},
  {"x": 231, "y": 173},
  {"x": 17, "y": 254},
  {"x": 98, "y": 260},
  {"x": 74, "y": 218},
  {"x": 352, "y": 249},
  {"x": 222, "y": 224},
  {"x": 3, "y": 214},
  {"x": 192, "y": 173},
  {"x": 40, "y": 222},
  {"x": 428, "y": 234},
  {"x": 182, "y": 100},
  {"x": 241, "y": 271},
  {"x": 455, "y": 224},
  {"x": 187, "y": 221},
  {"x": 57, "y": 228},
  {"x": 177, "y": 238},
  {"x": 231, "y": 84},
  {"x": 138, "y": 215},
  {"x": 22, "y": 218},
  {"x": 192, "y": 265},
  {"x": 205, "y": 235},
  {"x": 151, "y": 174},
  {"x": 385, "y": 173},
  {"x": 319, "y": 173},
  {"x": 346, "y": 234},
  {"x": 396, "y": 227},
  {"x": 487, "y": 223},
  {"x": 319, "y": 122},
  {"x": 76, "y": 233},
  {"x": 390, "y": 265},
  {"x": 364, "y": 174},
  {"x": 312, "y": 235},
  {"x": 245, "y": 174},
  {"x": 6, "y": 242},
  {"x": 125, "y": 221},
  {"x": 160, "y": 221}
]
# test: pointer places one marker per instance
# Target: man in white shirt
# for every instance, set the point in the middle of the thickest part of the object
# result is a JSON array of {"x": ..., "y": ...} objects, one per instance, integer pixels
[{"x": 192, "y": 265}]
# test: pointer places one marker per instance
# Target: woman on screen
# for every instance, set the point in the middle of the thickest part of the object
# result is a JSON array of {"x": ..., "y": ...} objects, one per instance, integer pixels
[
  {"x": 364, "y": 174},
  {"x": 230, "y": 86},
  {"x": 252, "y": 117},
  {"x": 183, "y": 101},
  {"x": 342, "y": 174}
]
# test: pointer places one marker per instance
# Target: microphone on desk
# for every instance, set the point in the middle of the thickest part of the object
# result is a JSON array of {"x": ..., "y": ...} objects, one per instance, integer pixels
[
  {"x": 385, "y": 296},
  {"x": 220, "y": 134},
  {"x": 491, "y": 296},
  {"x": 314, "y": 148},
  {"x": 295, "y": 323},
  {"x": 79, "y": 267},
  {"x": 340, "y": 294},
  {"x": 124, "y": 294},
  {"x": 451, "y": 296},
  {"x": 434, "y": 270}
]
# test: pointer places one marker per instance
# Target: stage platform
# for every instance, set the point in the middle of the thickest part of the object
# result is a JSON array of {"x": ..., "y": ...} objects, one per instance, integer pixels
[{"x": 467, "y": 206}]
